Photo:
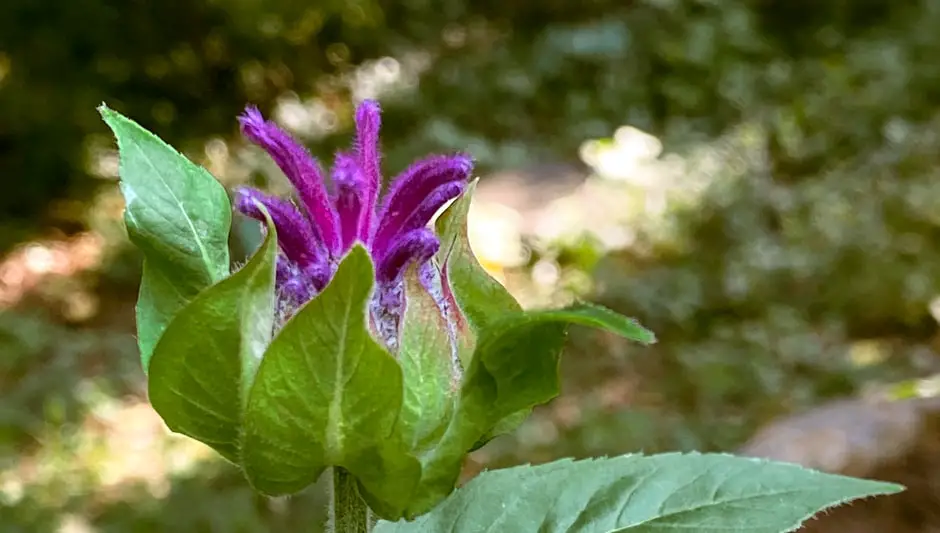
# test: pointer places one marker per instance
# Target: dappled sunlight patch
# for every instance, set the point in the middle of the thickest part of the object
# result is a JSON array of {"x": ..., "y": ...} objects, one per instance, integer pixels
[
  {"x": 495, "y": 236},
  {"x": 71, "y": 523},
  {"x": 540, "y": 231},
  {"x": 34, "y": 264},
  {"x": 133, "y": 446},
  {"x": 120, "y": 445}
]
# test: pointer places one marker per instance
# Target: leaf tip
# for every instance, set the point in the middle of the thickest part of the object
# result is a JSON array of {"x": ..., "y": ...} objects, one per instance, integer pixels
[
  {"x": 358, "y": 253},
  {"x": 892, "y": 488},
  {"x": 268, "y": 221},
  {"x": 108, "y": 114},
  {"x": 649, "y": 338},
  {"x": 112, "y": 118}
]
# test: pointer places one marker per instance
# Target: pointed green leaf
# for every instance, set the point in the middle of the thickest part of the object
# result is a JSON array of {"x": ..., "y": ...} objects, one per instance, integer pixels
[
  {"x": 481, "y": 298},
  {"x": 206, "y": 359},
  {"x": 598, "y": 317},
  {"x": 642, "y": 494},
  {"x": 178, "y": 215},
  {"x": 515, "y": 367},
  {"x": 430, "y": 366},
  {"x": 516, "y": 361},
  {"x": 507, "y": 425},
  {"x": 582, "y": 314},
  {"x": 327, "y": 394}
]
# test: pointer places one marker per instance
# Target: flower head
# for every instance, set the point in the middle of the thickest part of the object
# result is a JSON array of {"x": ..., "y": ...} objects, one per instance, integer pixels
[{"x": 316, "y": 232}]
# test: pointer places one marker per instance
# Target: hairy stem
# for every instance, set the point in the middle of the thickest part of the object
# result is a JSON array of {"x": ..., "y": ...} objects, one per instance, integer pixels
[{"x": 348, "y": 512}]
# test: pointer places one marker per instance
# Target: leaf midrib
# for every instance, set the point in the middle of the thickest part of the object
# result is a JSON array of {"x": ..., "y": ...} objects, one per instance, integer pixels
[
  {"x": 334, "y": 437},
  {"x": 742, "y": 498}
]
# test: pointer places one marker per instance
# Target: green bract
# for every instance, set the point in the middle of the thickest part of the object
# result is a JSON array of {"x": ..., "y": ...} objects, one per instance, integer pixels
[
  {"x": 204, "y": 364},
  {"x": 327, "y": 394},
  {"x": 287, "y": 402},
  {"x": 179, "y": 217}
]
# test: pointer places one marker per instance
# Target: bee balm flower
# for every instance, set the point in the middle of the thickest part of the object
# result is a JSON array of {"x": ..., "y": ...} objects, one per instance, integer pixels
[{"x": 315, "y": 233}]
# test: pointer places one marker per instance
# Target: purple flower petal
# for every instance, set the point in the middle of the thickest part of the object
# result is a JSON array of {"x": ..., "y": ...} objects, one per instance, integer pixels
[
  {"x": 418, "y": 245},
  {"x": 431, "y": 204},
  {"x": 294, "y": 234},
  {"x": 300, "y": 168},
  {"x": 350, "y": 188},
  {"x": 410, "y": 190},
  {"x": 368, "y": 123}
]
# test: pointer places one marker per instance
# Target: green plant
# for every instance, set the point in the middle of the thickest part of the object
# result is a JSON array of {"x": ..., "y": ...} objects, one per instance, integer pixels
[{"x": 356, "y": 339}]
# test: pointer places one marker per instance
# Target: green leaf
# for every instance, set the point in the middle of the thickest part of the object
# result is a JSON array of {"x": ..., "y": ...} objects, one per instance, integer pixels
[
  {"x": 206, "y": 359},
  {"x": 549, "y": 321},
  {"x": 516, "y": 361},
  {"x": 430, "y": 366},
  {"x": 642, "y": 494},
  {"x": 515, "y": 367},
  {"x": 327, "y": 394},
  {"x": 481, "y": 298},
  {"x": 178, "y": 215},
  {"x": 507, "y": 425}
]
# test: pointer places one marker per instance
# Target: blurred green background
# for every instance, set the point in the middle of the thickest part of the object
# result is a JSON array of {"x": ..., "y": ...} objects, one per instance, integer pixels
[{"x": 758, "y": 181}]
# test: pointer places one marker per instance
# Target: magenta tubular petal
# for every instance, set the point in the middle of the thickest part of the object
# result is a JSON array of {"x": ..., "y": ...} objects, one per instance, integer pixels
[
  {"x": 301, "y": 169},
  {"x": 431, "y": 204},
  {"x": 416, "y": 246},
  {"x": 294, "y": 234},
  {"x": 410, "y": 189},
  {"x": 368, "y": 123},
  {"x": 348, "y": 180}
]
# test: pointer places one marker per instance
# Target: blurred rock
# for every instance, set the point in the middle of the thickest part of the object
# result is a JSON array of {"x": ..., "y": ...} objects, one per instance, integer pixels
[{"x": 897, "y": 441}]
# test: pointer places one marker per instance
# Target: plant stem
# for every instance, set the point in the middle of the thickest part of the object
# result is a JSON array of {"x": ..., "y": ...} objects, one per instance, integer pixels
[{"x": 348, "y": 512}]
